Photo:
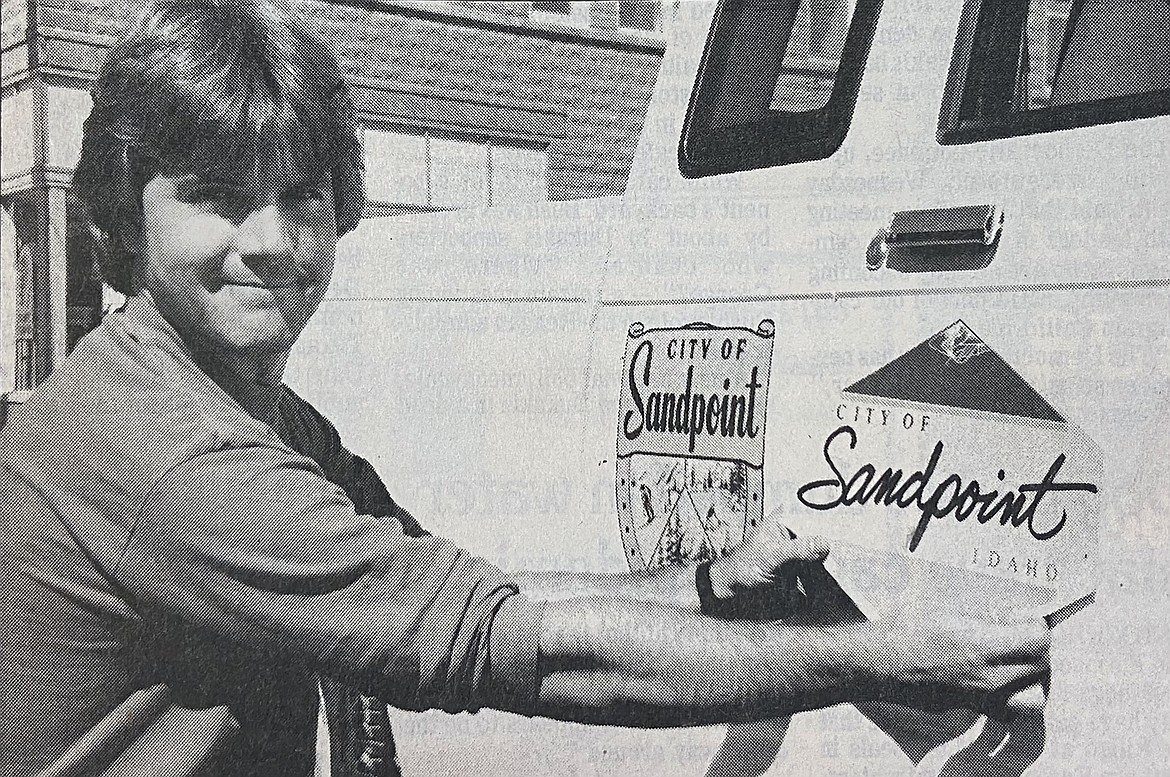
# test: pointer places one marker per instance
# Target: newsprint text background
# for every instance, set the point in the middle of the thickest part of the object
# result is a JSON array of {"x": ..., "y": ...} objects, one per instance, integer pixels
[{"x": 474, "y": 356}]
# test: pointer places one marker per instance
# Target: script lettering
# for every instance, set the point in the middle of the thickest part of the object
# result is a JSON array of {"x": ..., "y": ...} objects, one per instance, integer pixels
[{"x": 951, "y": 496}]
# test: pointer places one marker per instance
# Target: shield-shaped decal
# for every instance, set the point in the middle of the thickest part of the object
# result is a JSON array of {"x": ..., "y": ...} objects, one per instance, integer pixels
[{"x": 690, "y": 442}]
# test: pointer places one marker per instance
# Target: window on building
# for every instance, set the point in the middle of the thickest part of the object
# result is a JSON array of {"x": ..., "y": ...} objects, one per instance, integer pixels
[
  {"x": 518, "y": 175},
  {"x": 777, "y": 84},
  {"x": 642, "y": 16},
  {"x": 25, "y": 288},
  {"x": 636, "y": 16},
  {"x": 412, "y": 173},
  {"x": 1040, "y": 65},
  {"x": 573, "y": 14},
  {"x": 500, "y": 7},
  {"x": 25, "y": 319},
  {"x": 27, "y": 302}
]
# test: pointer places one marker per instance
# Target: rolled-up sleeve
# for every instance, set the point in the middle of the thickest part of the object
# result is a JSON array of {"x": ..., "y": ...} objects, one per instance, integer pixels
[{"x": 257, "y": 546}]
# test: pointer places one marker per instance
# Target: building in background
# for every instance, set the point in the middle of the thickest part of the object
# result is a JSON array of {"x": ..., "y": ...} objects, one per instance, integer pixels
[{"x": 463, "y": 104}]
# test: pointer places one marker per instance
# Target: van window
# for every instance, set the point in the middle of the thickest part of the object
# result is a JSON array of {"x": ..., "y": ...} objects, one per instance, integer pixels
[
  {"x": 1029, "y": 66},
  {"x": 777, "y": 83}
]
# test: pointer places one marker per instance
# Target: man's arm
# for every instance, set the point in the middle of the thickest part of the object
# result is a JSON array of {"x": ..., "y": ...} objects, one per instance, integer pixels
[
  {"x": 759, "y": 576},
  {"x": 621, "y": 662},
  {"x": 313, "y": 435},
  {"x": 765, "y": 560},
  {"x": 293, "y": 568},
  {"x": 823, "y": 652}
]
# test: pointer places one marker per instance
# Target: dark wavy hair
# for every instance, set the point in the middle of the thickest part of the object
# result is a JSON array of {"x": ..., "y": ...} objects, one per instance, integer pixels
[{"x": 212, "y": 86}]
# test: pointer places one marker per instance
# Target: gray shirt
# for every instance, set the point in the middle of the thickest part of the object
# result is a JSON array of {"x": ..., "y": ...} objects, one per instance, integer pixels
[{"x": 154, "y": 532}]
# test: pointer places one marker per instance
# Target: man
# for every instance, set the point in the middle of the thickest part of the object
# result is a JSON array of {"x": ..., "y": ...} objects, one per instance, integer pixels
[{"x": 188, "y": 546}]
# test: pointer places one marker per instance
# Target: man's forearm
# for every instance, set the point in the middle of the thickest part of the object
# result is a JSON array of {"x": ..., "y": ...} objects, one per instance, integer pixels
[
  {"x": 762, "y": 589},
  {"x": 634, "y": 663},
  {"x": 760, "y": 574},
  {"x": 623, "y": 662}
]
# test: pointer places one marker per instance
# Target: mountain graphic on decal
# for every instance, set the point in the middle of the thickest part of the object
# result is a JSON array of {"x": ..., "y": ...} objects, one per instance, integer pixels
[{"x": 955, "y": 368}]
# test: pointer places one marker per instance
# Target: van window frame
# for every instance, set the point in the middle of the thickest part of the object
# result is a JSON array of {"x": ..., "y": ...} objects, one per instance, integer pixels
[
  {"x": 775, "y": 137},
  {"x": 955, "y": 129}
]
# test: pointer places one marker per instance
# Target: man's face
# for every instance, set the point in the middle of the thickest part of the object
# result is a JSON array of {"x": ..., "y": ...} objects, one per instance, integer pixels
[{"x": 238, "y": 266}]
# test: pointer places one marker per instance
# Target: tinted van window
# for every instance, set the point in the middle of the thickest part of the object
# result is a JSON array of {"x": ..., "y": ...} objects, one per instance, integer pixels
[
  {"x": 1028, "y": 66},
  {"x": 777, "y": 83}
]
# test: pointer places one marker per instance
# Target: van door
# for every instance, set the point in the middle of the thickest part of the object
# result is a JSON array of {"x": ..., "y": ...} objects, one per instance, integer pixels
[
  {"x": 824, "y": 181},
  {"x": 960, "y": 246}
]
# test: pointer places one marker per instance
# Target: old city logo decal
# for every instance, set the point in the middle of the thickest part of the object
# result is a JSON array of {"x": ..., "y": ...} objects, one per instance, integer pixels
[
  {"x": 690, "y": 440},
  {"x": 947, "y": 455}
]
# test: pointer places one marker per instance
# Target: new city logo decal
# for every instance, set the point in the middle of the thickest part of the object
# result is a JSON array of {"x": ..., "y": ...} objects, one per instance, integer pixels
[
  {"x": 948, "y": 456},
  {"x": 690, "y": 440}
]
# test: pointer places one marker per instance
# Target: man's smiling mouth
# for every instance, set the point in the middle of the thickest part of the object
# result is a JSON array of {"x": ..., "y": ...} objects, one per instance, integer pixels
[{"x": 271, "y": 285}]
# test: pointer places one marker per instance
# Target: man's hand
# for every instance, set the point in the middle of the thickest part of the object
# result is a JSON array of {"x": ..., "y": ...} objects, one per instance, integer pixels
[
  {"x": 987, "y": 667},
  {"x": 767, "y": 576}
]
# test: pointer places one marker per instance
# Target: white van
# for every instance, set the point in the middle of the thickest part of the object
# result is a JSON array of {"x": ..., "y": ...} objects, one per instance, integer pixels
[{"x": 938, "y": 231}]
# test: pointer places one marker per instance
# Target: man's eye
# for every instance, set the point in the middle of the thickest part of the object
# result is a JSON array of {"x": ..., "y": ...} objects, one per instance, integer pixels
[
  {"x": 212, "y": 195},
  {"x": 222, "y": 200}
]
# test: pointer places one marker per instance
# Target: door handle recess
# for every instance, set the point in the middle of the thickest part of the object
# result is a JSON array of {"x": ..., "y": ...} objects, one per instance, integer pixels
[{"x": 938, "y": 240}]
